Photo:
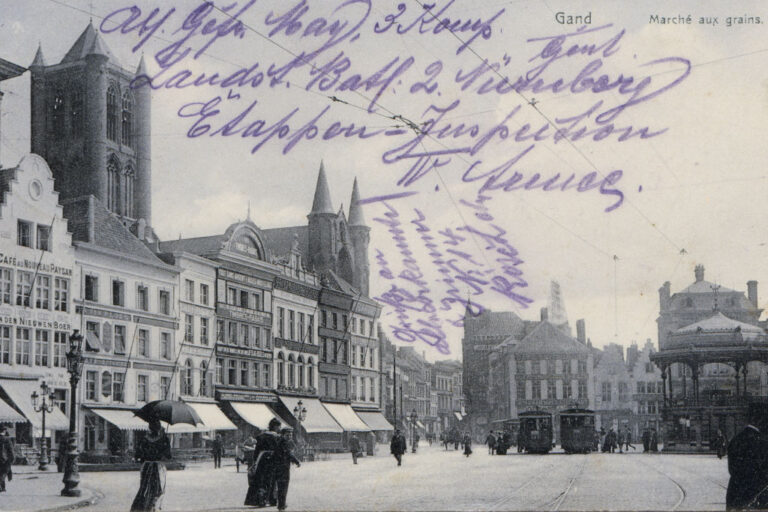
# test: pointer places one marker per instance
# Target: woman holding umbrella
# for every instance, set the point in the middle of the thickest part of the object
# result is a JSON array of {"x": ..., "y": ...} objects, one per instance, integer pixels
[{"x": 154, "y": 448}]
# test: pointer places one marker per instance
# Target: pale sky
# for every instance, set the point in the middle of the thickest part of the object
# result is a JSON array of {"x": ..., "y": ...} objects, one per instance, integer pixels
[{"x": 694, "y": 194}]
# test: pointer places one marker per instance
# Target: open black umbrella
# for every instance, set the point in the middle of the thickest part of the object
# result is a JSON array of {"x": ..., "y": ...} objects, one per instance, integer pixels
[{"x": 169, "y": 411}]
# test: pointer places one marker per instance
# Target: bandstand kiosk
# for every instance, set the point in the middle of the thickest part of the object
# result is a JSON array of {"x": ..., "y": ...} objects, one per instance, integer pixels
[{"x": 723, "y": 351}]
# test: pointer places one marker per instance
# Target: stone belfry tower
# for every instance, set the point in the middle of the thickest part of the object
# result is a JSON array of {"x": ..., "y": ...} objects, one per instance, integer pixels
[
  {"x": 92, "y": 128},
  {"x": 361, "y": 237}
]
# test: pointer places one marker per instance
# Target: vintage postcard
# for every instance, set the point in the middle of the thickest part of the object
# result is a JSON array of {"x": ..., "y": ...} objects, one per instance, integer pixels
[{"x": 383, "y": 255}]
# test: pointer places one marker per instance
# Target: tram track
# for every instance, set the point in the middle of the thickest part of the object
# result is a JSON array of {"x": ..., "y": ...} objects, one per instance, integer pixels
[
  {"x": 558, "y": 501},
  {"x": 500, "y": 503},
  {"x": 699, "y": 475},
  {"x": 680, "y": 488}
]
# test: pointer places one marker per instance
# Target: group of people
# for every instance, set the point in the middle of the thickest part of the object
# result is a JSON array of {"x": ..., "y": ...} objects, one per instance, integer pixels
[
  {"x": 611, "y": 441},
  {"x": 269, "y": 472},
  {"x": 456, "y": 438},
  {"x": 498, "y": 442}
]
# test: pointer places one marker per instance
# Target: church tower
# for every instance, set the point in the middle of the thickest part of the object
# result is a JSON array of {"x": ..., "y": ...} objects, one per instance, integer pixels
[
  {"x": 361, "y": 237},
  {"x": 322, "y": 227},
  {"x": 93, "y": 128}
]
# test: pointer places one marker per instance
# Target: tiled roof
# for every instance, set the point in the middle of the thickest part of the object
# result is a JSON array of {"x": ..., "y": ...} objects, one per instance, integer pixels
[
  {"x": 280, "y": 240},
  {"x": 704, "y": 287},
  {"x": 200, "y": 245},
  {"x": 335, "y": 282},
  {"x": 720, "y": 323},
  {"x": 91, "y": 222},
  {"x": 548, "y": 338},
  {"x": 490, "y": 323}
]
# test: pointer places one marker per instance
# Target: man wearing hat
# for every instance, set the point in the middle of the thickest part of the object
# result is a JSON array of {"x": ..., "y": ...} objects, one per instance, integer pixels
[
  {"x": 284, "y": 457},
  {"x": 6, "y": 457},
  {"x": 748, "y": 463},
  {"x": 397, "y": 446},
  {"x": 261, "y": 474}
]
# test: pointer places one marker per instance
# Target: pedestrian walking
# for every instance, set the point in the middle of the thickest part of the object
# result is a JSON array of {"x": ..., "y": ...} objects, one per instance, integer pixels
[
  {"x": 218, "y": 450},
  {"x": 654, "y": 445},
  {"x": 620, "y": 441},
  {"x": 239, "y": 459},
  {"x": 490, "y": 440},
  {"x": 354, "y": 447},
  {"x": 628, "y": 440},
  {"x": 747, "y": 465},
  {"x": 467, "y": 444},
  {"x": 249, "y": 446},
  {"x": 284, "y": 457},
  {"x": 151, "y": 451},
  {"x": 261, "y": 474},
  {"x": 719, "y": 444},
  {"x": 415, "y": 442},
  {"x": 397, "y": 446},
  {"x": 6, "y": 457}
]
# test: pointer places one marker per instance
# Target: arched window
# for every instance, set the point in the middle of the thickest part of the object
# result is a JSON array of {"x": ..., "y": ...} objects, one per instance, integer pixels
[
  {"x": 113, "y": 184},
  {"x": 311, "y": 372},
  {"x": 127, "y": 119},
  {"x": 291, "y": 372},
  {"x": 112, "y": 113},
  {"x": 204, "y": 379},
  {"x": 76, "y": 111},
  {"x": 128, "y": 190},
  {"x": 58, "y": 113},
  {"x": 186, "y": 379},
  {"x": 280, "y": 369},
  {"x": 300, "y": 367}
]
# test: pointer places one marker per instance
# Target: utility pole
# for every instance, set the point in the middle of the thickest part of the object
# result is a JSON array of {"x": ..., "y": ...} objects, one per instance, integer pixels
[{"x": 394, "y": 384}]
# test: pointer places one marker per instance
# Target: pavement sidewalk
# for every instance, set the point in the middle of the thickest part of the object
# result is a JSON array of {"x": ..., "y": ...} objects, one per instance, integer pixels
[{"x": 36, "y": 490}]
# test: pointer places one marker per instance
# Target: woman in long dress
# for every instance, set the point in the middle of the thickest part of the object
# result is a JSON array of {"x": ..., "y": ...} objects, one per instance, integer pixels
[
  {"x": 154, "y": 448},
  {"x": 261, "y": 474}
]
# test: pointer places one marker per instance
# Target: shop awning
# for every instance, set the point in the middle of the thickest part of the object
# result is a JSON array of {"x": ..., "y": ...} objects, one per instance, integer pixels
[
  {"x": 347, "y": 418},
  {"x": 212, "y": 416},
  {"x": 19, "y": 391},
  {"x": 121, "y": 418},
  {"x": 258, "y": 415},
  {"x": 318, "y": 418},
  {"x": 458, "y": 415},
  {"x": 9, "y": 415},
  {"x": 376, "y": 421},
  {"x": 420, "y": 425},
  {"x": 92, "y": 342}
]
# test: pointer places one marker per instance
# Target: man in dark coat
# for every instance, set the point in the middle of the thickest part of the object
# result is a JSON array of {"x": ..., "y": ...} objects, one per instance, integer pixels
[
  {"x": 397, "y": 446},
  {"x": 490, "y": 440},
  {"x": 719, "y": 444},
  {"x": 261, "y": 474},
  {"x": 654, "y": 441},
  {"x": 6, "y": 457},
  {"x": 747, "y": 465},
  {"x": 218, "y": 450},
  {"x": 354, "y": 447},
  {"x": 283, "y": 459},
  {"x": 646, "y": 441}
]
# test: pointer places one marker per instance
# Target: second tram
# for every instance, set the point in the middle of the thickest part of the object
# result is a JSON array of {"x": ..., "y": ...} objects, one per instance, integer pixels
[
  {"x": 535, "y": 434},
  {"x": 577, "y": 430}
]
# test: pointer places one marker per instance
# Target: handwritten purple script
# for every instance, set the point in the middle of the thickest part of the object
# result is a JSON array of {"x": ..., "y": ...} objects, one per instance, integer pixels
[{"x": 440, "y": 132}]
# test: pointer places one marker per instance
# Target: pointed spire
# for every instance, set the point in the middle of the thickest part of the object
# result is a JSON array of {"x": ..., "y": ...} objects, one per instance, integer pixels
[
  {"x": 39, "y": 57},
  {"x": 142, "y": 67},
  {"x": 89, "y": 43},
  {"x": 355, "y": 210},
  {"x": 322, "y": 202}
]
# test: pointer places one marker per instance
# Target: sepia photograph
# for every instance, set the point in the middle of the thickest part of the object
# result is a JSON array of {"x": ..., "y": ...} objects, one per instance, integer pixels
[{"x": 379, "y": 255}]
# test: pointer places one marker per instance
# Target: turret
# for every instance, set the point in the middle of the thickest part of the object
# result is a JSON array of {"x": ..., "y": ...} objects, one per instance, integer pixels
[
  {"x": 321, "y": 236},
  {"x": 361, "y": 237},
  {"x": 143, "y": 134},
  {"x": 38, "y": 107}
]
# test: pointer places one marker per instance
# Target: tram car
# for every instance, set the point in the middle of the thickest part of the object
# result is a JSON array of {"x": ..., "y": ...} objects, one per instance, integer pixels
[
  {"x": 577, "y": 430},
  {"x": 535, "y": 432}
]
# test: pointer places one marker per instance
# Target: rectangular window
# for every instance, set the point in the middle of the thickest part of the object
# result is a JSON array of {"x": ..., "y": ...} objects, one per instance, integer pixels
[
  {"x": 232, "y": 374},
  {"x": 43, "y": 292},
  {"x": 118, "y": 387},
  {"x": 143, "y": 340},
  {"x": 354, "y": 325},
  {"x": 558, "y": 366},
  {"x": 42, "y": 347},
  {"x": 267, "y": 338},
  {"x": 255, "y": 375},
  {"x": 203, "y": 331},
  {"x": 5, "y": 344},
  {"x": 221, "y": 329},
  {"x": 6, "y": 284},
  {"x": 536, "y": 391},
  {"x": 61, "y": 294},
  {"x": 370, "y": 329},
  {"x": 291, "y": 325},
  {"x": 280, "y": 322},
  {"x": 23, "y": 346},
  {"x": 559, "y": 389},
  {"x": 233, "y": 333},
  {"x": 606, "y": 392},
  {"x": 623, "y": 392},
  {"x": 582, "y": 389},
  {"x": 141, "y": 388},
  {"x": 189, "y": 328},
  {"x": 335, "y": 320},
  {"x": 324, "y": 318},
  {"x": 353, "y": 386},
  {"x": 302, "y": 333},
  {"x": 265, "y": 375},
  {"x": 204, "y": 294},
  {"x": 256, "y": 336},
  {"x": 219, "y": 370},
  {"x": 165, "y": 345},
  {"x": 165, "y": 386},
  {"x": 640, "y": 387},
  {"x": 44, "y": 238},
  {"x": 90, "y": 385},
  {"x": 24, "y": 233},
  {"x": 118, "y": 293},
  {"x": 91, "y": 288},
  {"x": 344, "y": 322},
  {"x": 164, "y": 299},
  {"x": 244, "y": 373},
  {"x": 243, "y": 299},
  {"x": 23, "y": 288},
  {"x": 142, "y": 298},
  {"x": 311, "y": 329},
  {"x": 106, "y": 384},
  {"x": 232, "y": 296},
  {"x": 189, "y": 286},
  {"x": 583, "y": 367},
  {"x": 244, "y": 335},
  {"x": 119, "y": 339}
]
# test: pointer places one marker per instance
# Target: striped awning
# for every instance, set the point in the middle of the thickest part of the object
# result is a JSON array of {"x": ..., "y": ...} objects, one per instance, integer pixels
[
  {"x": 122, "y": 419},
  {"x": 256, "y": 414},
  {"x": 375, "y": 420},
  {"x": 318, "y": 418},
  {"x": 9, "y": 415},
  {"x": 19, "y": 392},
  {"x": 346, "y": 417},
  {"x": 212, "y": 416}
]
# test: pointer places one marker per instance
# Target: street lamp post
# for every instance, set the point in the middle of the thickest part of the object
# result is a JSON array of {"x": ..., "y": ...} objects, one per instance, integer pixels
[
  {"x": 75, "y": 368},
  {"x": 300, "y": 413},
  {"x": 45, "y": 405},
  {"x": 414, "y": 417}
]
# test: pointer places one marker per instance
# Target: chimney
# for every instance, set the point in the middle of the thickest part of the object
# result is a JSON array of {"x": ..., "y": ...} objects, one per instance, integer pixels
[
  {"x": 544, "y": 314},
  {"x": 752, "y": 292},
  {"x": 699, "y": 272},
  {"x": 581, "y": 331},
  {"x": 664, "y": 296}
]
